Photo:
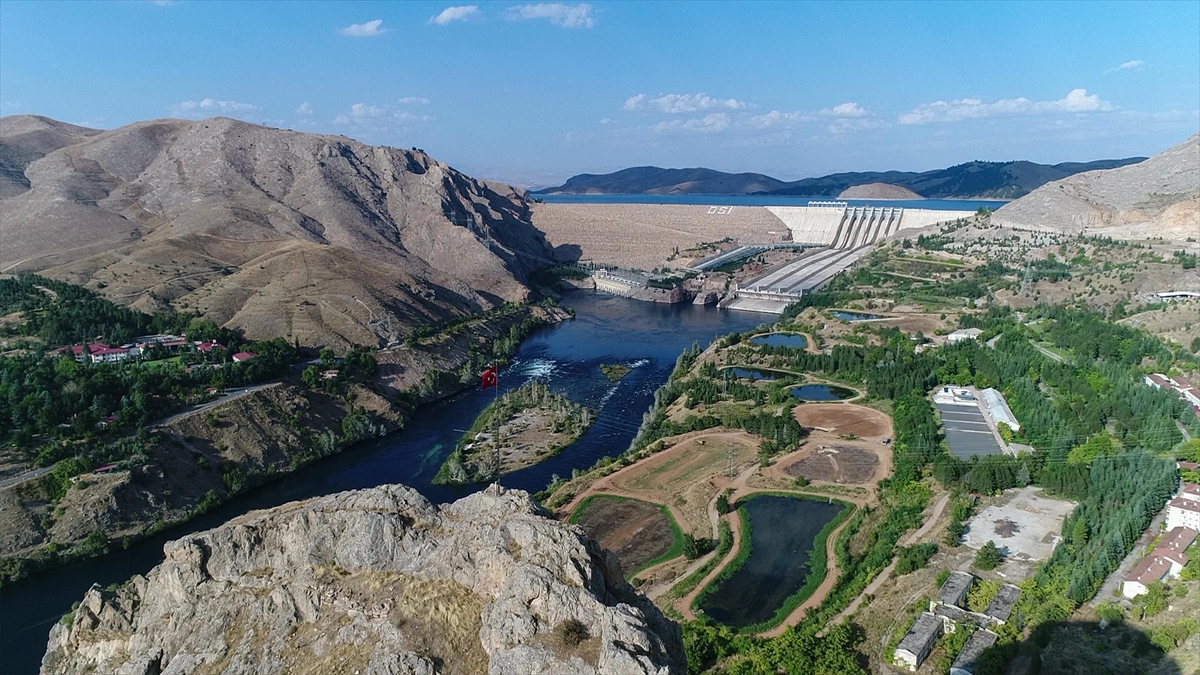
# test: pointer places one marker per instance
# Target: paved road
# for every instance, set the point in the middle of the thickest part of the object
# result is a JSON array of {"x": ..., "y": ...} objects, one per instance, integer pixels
[
  {"x": 1047, "y": 352},
  {"x": 1113, "y": 582},
  {"x": 28, "y": 475},
  {"x": 230, "y": 394}
]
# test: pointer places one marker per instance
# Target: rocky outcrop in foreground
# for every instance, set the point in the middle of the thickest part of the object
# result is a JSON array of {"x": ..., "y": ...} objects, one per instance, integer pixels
[{"x": 377, "y": 582}]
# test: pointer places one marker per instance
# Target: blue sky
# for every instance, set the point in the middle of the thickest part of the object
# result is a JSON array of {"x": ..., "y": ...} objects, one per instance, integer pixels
[{"x": 532, "y": 93}]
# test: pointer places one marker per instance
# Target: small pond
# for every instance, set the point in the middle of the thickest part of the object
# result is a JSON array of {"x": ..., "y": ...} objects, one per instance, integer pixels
[
  {"x": 823, "y": 392},
  {"x": 783, "y": 530},
  {"x": 793, "y": 340},
  {"x": 756, "y": 374},
  {"x": 854, "y": 316}
]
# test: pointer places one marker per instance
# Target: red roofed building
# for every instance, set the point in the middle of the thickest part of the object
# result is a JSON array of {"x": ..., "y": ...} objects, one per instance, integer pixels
[
  {"x": 1167, "y": 559},
  {"x": 243, "y": 356},
  {"x": 1156, "y": 380},
  {"x": 207, "y": 347},
  {"x": 109, "y": 354}
]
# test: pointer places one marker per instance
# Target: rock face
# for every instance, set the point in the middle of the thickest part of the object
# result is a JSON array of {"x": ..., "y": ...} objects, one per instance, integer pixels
[
  {"x": 1159, "y": 197},
  {"x": 878, "y": 191},
  {"x": 276, "y": 232},
  {"x": 378, "y": 582}
]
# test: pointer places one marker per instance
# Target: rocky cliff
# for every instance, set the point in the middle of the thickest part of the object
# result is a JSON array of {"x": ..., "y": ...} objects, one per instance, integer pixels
[
  {"x": 275, "y": 232},
  {"x": 1159, "y": 197},
  {"x": 375, "y": 582}
]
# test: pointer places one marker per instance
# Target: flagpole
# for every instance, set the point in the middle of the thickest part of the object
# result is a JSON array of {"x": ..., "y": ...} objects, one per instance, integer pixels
[{"x": 495, "y": 416}]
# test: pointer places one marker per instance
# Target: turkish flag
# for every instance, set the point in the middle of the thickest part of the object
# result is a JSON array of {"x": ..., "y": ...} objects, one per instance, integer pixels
[{"x": 491, "y": 378}]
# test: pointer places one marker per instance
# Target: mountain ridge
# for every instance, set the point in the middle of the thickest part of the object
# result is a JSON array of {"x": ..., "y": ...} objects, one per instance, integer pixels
[
  {"x": 970, "y": 180},
  {"x": 275, "y": 232}
]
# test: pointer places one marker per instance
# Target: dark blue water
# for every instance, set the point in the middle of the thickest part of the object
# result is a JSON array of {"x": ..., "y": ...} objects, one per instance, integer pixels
[
  {"x": 792, "y": 340},
  {"x": 757, "y": 374},
  {"x": 822, "y": 392},
  {"x": 854, "y": 316},
  {"x": 783, "y": 530},
  {"x": 970, "y": 205},
  {"x": 648, "y": 336}
]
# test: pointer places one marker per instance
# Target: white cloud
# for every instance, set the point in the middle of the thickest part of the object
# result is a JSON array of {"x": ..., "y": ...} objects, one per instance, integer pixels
[
  {"x": 710, "y": 123},
  {"x": 682, "y": 103},
  {"x": 607, "y": 120},
  {"x": 567, "y": 16},
  {"x": 850, "y": 109},
  {"x": 776, "y": 118},
  {"x": 973, "y": 108},
  {"x": 374, "y": 117},
  {"x": 368, "y": 29},
  {"x": 635, "y": 102},
  {"x": 414, "y": 100},
  {"x": 459, "y": 13},
  {"x": 212, "y": 105},
  {"x": 1135, "y": 65},
  {"x": 305, "y": 109}
]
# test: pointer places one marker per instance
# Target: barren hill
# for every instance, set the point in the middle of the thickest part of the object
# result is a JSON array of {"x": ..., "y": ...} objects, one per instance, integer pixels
[
  {"x": 1159, "y": 197},
  {"x": 878, "y": 191},
  {"x": 26, "y": 138},
  {"x": 276, "y": 232},
  {"x": 656, "y": 181}
]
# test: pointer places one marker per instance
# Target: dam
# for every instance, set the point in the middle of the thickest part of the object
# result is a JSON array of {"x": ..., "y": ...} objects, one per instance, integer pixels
[{"x": 840, "y": 235}]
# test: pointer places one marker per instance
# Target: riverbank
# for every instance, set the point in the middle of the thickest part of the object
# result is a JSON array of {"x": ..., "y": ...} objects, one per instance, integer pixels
[{"x": 198, "y": 460}]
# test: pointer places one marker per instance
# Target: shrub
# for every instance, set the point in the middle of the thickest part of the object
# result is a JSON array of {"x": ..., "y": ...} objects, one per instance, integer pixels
[
  {"x": 571, "y": 632},
  {"x": 913, "y": 558}
]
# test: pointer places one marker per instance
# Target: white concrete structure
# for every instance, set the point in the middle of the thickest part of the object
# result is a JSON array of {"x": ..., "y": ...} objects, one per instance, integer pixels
[
  {"x": 840, "y": 225},
  {"x": 964, "y": 334},
  {"x": 997, "y": 408}
]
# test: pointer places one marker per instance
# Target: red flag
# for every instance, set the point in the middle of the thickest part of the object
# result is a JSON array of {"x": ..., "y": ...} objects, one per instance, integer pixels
[{"x": 491, "y": 378}]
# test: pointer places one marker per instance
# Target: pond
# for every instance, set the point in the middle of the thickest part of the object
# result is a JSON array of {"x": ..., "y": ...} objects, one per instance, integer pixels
[
  {"x": 756, "y": 374},
  {"x": 823, "y": 392},
  {"x": 793, "y": 340},
  {"x": 854, "y": 316},
  {"x": 783, "y": 530}
]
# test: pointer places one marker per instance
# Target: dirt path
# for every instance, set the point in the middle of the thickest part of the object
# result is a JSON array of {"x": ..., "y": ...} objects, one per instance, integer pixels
[
  {"x": 684, "y": 604},
  {"x": 886, "y": 573}
]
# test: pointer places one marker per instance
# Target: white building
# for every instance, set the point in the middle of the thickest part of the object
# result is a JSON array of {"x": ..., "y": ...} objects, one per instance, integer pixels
[
  {"x": 1184, "y": 509},
  {"x": 964, "y": 334},
  {"x": 919, "y": 640},
  {"x": 998, "y": 409}
]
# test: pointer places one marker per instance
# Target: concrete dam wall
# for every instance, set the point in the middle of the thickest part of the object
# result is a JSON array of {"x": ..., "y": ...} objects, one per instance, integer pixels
[{"x": 841, "y": 226}]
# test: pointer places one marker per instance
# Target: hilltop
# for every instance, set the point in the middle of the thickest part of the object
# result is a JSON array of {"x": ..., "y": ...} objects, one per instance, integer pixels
[
  {"x": 1159, "y": 197},
  {"x": 274, "y": 232},
  {"x": 653, "y": 180},
  {"x": 973, "y": 180},
  {"x": 376, "y": 581}
]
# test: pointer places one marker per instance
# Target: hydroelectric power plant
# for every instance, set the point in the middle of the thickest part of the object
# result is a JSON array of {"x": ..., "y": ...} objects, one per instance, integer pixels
[{"x": 838, "y": 234}]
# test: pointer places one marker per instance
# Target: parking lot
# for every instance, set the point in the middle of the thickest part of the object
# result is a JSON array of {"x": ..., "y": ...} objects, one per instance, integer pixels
[
  {"x": 967, "y": 431},
  {"x": 1026, "y": 526}
]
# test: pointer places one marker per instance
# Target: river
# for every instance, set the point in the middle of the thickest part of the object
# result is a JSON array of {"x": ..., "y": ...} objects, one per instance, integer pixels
[{"x": 606, "y": 329}]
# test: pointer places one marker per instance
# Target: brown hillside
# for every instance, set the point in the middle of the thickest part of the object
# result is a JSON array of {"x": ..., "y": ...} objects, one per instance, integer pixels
[{"x": 272, "y": 231}]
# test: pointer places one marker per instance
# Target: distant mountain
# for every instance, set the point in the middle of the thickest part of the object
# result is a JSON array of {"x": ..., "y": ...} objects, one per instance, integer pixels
[
  {"x": 973, "y": 180},
  {"x": 652, "y": 180},
  {"x": 1159, "y": 197},
  {"x": 275, "y": 232}
]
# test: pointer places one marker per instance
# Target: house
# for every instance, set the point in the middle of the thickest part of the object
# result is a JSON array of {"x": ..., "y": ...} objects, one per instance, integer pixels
[
  {"x": 1002, "y": 605},
  {"x": 1187, "y": 466},
  {"x": 243, "y": 356},
  {"x": 964, "y": 334},
  {"x": 968, "y": 659},
  {"x": 1184, "y": 509},
  {"x": 208, "y": 347},
  {"x": 919, "y": 640},
  {"x": 1166, "y": 560}
]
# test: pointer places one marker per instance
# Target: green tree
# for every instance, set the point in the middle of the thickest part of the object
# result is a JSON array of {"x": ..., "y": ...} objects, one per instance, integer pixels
[
  {"x": 988, "y": 557},
  {"x": 311, "y": 377}
]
